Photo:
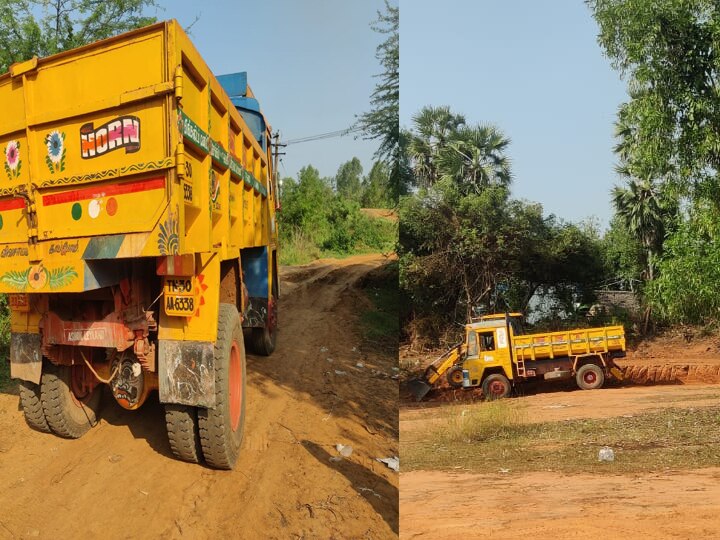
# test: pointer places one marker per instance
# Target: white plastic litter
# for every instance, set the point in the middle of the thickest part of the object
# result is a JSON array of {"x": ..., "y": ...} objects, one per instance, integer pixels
[
  {"x": 360, "y": 365},
  {"x": 606, "y": 454},
  {"x": 392, "y": 462},
  {"x": 323, "y": 349},
  {"x": 340, "y": 372},
  {"x": 344, "y": 450}
]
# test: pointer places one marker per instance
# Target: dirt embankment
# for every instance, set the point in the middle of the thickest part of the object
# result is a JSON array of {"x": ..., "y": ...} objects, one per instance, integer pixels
[{"x": 120, "y": 481}]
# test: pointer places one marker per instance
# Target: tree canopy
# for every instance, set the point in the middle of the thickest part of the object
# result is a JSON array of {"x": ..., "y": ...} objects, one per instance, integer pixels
[{"x": 43, "y": 27}]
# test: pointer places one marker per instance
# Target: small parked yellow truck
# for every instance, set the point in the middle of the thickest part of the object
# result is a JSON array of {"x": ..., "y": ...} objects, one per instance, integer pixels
[
  {"x": 495, "y": 355},
  {"x": 138, "y": 241}
]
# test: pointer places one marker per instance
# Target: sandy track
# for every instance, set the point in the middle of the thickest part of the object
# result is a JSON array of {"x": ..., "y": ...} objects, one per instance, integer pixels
[
  {"x": 676, "y": 504},
  {"x": 119, "y": 481}
]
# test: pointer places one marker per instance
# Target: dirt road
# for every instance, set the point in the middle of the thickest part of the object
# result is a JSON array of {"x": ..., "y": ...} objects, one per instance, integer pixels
[
  {"x": 120, "y": 481},
  {"x": 674, "y": 504}
]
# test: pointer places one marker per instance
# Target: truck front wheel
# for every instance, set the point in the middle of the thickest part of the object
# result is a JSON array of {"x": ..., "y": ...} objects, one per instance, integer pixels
[
  {"x": 68, "y": 414},
  {"x": 496, "y": 386},
  {"x": 590, "y": 377},
  {"x": 455, "y": 376},
  {"x": 221, "y": 428}
]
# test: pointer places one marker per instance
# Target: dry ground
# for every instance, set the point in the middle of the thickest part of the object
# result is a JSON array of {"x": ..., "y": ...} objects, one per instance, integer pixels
[
  {"x": 120, "y": 481},
  {"x": 677, "y": 503}
]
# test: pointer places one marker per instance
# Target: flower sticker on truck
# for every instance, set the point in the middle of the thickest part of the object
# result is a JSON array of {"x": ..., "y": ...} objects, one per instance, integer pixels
[
  {"x": 37, "y": 277},
  {"x": 12, "y": 160},
  {"x": 55, "y": 158}
]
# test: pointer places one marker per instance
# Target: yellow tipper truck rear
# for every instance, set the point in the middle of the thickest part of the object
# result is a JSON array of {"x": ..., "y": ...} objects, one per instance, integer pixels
[{"x": 138, "y": 240}]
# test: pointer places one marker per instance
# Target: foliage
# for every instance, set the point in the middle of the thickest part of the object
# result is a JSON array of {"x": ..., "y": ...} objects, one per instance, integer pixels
[
  {"x": 348, "y": 181},
  {"x": 465, "y": 243},
  {"x": 623, "y": 254},
  {"x": 377, "y": 188},
  {"x": 686, "y": 290},
  {"x": 316, "y": 220},
  {"x": 668, "y": 50},
  {"x": 43, "y": 27},
  {"x": 383, "y": 120}
]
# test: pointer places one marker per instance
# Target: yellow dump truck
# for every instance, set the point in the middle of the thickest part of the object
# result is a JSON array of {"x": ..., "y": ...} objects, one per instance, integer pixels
[
  {"x": 138, "y": 241},
  {"x": 495, "y": 355}
]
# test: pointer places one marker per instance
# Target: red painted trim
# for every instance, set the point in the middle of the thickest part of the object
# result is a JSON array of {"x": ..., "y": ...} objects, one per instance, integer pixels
[
  {"x": 12, "y": 204},
  {"x": 104, "y": 191}
]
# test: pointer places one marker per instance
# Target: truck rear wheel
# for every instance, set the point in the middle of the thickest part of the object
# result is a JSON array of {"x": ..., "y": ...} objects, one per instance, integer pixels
[
  {"x": 455, "y": 376},
  {"x": 67, "y": 414},
  {"x": 221, "y": 428},
  {"x": 263, "y": 340},
  {"x": 32, "y": 406},
  {"x": 496, "y": 386},
  {"x": 590, "y": 377},
  {"x": 182, "y": 430}
]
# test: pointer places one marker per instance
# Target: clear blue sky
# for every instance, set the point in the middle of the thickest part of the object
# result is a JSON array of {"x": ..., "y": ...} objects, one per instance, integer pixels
[
  {"x": 310, "y": 63},
  {"x": 533, "y": 69}
]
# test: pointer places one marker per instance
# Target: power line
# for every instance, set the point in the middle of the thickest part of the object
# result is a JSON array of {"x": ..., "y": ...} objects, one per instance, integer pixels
[{"x": 328, "y": 135}]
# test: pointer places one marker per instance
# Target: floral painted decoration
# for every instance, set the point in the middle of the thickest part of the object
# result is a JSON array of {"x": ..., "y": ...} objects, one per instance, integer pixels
[
  {"x": 169, "y": 239},
  {"x": 55, "y": 159},
  {"x": 12, "y": 159},
  {"x": 37, "y": 277}
]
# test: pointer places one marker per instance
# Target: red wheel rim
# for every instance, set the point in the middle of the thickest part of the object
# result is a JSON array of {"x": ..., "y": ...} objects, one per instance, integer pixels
[
  {"x": 589, "y": 377},
  {"x": 457, "y": 376},
  {"x": 235, "y": 386},
  {"x": 497, "y": 388}
]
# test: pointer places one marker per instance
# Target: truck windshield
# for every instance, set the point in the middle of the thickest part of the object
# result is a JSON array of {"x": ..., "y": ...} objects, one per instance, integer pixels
[{"x": 472, "y": 345}]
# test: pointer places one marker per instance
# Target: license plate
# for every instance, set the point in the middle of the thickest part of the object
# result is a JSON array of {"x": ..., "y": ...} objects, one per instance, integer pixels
[
  {"x": 179, "y": 298},
  {"x": 19, "y": 302}
]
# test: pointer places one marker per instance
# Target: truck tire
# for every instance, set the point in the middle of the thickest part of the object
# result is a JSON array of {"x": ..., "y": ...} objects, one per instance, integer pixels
[
  {"x": 263, "y": 340},
  {"x": 182, "y": 430},
  {"x": 221, "y": 428},
  {"x": 67, "y": 415},
  {"x": 32, "y": 406},
  {"x": 590, "y": 377},
  {"x": 455, "y": 376},
  {"x": 496, "y": 386}
]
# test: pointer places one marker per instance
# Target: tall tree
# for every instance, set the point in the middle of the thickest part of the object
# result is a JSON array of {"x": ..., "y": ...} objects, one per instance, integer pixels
[
  {"x": 375, "y": 189},
  {"x": 44, "y": 27},
  {"x": 348, "y": 181},
  {"x": 475, "y": 159},
  {"x": 382, "y": 122},
  {"x": 668, "y": 51},
  {"x": 640, "y": 207},
  {"x": 433, "y": 127}
]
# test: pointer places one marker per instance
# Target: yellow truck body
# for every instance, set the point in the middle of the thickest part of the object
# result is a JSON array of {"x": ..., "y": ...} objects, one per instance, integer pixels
[
  {"x": 495, "y": 355},
  {"x": 137, "y": 195}
]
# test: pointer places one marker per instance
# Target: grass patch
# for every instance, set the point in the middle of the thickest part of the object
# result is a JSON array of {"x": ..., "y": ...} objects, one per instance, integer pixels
[
  {"x": 381, "y": 323},
  {"x": 488, "y": 437}
]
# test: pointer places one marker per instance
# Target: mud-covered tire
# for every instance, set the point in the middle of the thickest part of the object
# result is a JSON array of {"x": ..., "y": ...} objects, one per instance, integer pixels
[
  {"x": 263, "y": 340},
  {"x": 32, "y": 406},
  {"x": 183, "y": 434},
  {"x": 221, "y": 428},
  {"x": 590, "y": 377},
  {"x": 496, "y": 386},
  {"x": 455, "y": 376},
  {"x": 67, "y": 416}
]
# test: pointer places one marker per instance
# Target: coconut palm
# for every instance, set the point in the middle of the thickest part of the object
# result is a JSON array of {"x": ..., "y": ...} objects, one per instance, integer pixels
[
  {"x": 644, "y": 213},
  {"x": 475, "y": 159},
  {"x": 433, "y": 128}
]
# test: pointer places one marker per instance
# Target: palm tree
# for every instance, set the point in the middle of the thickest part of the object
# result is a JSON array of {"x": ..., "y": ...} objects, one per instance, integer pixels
[
  {"x": 433, "y": 128},
  {"x": 644, "y": 213},
  {"x": 475, "y": 159}
]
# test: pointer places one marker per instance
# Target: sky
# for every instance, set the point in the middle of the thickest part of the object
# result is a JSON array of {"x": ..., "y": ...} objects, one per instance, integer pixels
[
  {"x": 310, "y": 63},
  {"x": 535, "y": 71}
]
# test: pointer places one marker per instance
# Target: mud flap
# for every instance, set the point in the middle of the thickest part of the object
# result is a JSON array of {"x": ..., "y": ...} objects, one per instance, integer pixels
[
  {"x": 186, "y": 372},
  {"x": 25, "y": 357},
  {"x": 419, "y": 388},
  {"x": 255, "y": 272}
]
